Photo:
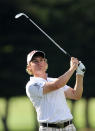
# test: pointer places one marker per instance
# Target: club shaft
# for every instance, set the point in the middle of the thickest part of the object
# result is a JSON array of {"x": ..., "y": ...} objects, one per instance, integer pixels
[
  {"x": 49, "y": 37},
  {"x": 22, "y": 14}
]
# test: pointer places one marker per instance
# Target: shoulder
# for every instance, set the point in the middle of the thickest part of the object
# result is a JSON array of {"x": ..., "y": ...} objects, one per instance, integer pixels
[
  {"x": 34, "y": 87},
  {"x": 35, "y": 82},
  {"x": 30, "y": 82}
]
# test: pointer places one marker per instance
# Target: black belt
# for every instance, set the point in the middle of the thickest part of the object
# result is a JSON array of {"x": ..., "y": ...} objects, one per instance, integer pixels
[{"x": 57, "y": 125}]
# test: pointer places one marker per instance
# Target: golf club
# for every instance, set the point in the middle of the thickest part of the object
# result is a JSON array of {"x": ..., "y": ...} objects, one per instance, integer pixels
[
  {"x": 23, "y": 14},
  {"x": 67, "y": 54}
]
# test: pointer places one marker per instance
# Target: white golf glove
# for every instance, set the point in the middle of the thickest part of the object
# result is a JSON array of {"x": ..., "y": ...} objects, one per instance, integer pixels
[{"x": 81, "y": 69}]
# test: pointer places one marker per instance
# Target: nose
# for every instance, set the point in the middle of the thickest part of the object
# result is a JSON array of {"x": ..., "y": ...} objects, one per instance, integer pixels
[{"x": 39, "y": 62}]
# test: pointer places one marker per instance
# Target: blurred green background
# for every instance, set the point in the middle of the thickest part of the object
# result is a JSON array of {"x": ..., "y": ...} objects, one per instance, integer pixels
[
  {"x": 71, "y": 23},
  {"x": 22, "y": 114}
]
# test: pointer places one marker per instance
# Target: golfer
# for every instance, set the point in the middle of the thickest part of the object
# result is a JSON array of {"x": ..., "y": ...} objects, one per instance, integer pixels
[{"x": 49, "y": 95}]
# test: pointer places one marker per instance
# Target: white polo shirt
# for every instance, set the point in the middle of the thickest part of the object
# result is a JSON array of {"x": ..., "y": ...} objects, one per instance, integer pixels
[{"x": 51, "y": 107}]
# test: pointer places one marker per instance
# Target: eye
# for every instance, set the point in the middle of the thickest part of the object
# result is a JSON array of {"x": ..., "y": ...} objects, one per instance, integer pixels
[
  {"x": 41, "y": 60},
  {"x": 35, "y": 61},
  {"x": 38, "y": 61}
]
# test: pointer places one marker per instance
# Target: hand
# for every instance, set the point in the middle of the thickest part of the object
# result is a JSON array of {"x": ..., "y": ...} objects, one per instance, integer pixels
[
  {"x": 80, "y": 69},
  {"x": 74, "y": 63}
]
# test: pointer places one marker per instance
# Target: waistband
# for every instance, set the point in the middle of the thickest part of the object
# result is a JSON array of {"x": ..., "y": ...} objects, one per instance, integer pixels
[{"x": 57, "y": 125}]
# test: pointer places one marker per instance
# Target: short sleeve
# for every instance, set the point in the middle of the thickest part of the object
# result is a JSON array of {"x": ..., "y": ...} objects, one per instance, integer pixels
[
  {"x": 35, "y": 89},
  {"x": 66, "y": 87}
]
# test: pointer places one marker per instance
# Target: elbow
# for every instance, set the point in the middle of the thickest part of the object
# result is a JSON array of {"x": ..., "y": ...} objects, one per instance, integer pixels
[{"x": 78, "y": 97}]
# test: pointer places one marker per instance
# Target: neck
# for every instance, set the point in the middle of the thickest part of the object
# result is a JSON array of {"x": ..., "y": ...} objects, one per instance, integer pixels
[{"x": 42, "y": 75}]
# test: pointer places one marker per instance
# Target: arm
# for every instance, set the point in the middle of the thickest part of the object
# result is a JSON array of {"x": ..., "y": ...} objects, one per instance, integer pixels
[
  {"x": 75, "y": 93},
  {"x": 62, "y": 80}
]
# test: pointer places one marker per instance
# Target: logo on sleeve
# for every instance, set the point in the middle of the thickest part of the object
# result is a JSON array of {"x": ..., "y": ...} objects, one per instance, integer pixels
[{"x": 36, "y": 85}]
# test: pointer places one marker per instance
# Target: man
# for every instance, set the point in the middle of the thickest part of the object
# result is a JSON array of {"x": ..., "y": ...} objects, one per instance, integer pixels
[{"x": 48, "y": 95}]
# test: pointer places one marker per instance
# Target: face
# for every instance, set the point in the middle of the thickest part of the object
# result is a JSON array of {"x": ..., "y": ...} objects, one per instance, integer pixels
[{"x": 38, "y": 65}]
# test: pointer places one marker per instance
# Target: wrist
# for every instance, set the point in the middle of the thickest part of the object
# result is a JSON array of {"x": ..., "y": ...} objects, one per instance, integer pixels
[
  {"x": 72, "y": 68},
  {"x": 79, "y": 75}
]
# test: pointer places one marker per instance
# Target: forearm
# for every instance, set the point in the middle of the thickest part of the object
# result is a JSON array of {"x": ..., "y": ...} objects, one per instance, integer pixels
[
  {"x": 78, "y": 86},
  {"x": 62, "y": 80},
  {"x": 76, "y": 93},
  {"x": 59, "y": 82}
]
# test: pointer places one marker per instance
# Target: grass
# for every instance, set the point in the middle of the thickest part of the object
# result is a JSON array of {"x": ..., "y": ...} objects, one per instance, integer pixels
[{"x": 22, "y": 116}]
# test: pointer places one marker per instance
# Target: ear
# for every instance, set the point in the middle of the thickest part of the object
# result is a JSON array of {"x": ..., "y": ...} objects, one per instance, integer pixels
[
  {"x": 29, "y": 67},
  {"x": 46, "y": 65}
]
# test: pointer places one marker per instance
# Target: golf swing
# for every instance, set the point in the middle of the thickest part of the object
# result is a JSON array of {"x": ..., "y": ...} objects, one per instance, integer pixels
[{"x": 48, "y": 94}]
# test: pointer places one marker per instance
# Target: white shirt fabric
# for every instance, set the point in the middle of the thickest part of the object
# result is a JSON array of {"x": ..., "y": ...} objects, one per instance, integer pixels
[{"x": 51, "y": 107}]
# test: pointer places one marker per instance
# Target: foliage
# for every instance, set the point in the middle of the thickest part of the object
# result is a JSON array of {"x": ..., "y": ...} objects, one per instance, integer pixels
[{"x": 71, "y": 23}]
